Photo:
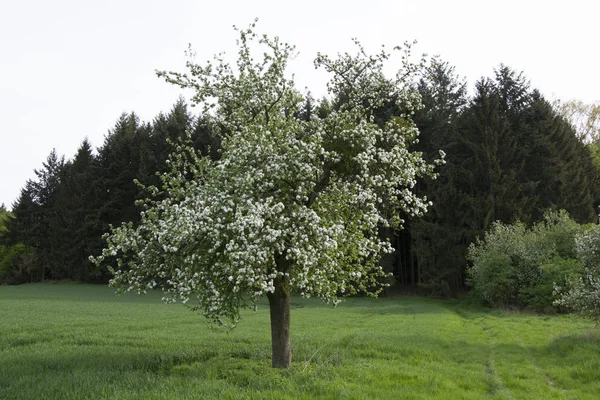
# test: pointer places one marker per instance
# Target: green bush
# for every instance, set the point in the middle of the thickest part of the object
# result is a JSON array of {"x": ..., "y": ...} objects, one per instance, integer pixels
[
  {"x": 12, "y": 262},
  {"x": 491, "y": 274},
  {"x": 558, "y": 228},
  {"x": 541, "y": 295},
  {"x": 582, "y": 293},
  {"x": 513, "y": 266}
]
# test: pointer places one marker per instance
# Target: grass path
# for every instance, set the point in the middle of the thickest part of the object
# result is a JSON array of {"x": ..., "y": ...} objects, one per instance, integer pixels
[{"x": 73, "y": 341}]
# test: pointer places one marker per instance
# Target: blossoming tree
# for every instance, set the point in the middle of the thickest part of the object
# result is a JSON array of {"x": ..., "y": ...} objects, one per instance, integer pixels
[{"x": 291, "y": 205}]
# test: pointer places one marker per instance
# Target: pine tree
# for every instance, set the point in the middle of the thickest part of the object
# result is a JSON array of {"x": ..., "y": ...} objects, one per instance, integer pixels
[
  {"x": 46, "y": 226},
  {"x": 22, "y": 229},
  {"x": 308, "y": 108},
  {"x": 167, "y": 131},
  {"x": 77, "y": 208},
  {"x": 207, "y": 136},
  {"x": 577, "y": 178},
  {"x": 438, "y": 239},
  {"x": 119, "y": 161}
]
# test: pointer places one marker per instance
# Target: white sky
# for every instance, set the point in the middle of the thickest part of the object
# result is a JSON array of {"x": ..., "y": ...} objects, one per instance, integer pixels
[{"x": 69, "y": 68}]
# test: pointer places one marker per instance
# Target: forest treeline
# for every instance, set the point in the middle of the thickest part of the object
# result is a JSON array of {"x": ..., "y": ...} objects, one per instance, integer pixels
[{"x": 510, "y": 155}]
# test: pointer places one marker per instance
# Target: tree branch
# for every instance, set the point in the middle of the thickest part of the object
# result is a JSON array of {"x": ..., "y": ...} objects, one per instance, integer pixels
[{"x": 320, "y": 186}]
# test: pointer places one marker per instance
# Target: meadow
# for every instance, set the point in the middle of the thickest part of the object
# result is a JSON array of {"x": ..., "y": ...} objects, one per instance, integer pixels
[{"x": 76, "y": 341}]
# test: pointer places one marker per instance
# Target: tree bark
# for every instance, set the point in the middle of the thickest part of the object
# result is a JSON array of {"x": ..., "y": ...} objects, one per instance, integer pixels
[{"x": 279, "y": 305}]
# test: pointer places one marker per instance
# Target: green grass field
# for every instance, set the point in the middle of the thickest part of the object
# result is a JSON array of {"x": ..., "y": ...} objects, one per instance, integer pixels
[{"x": 72, "y": 341}]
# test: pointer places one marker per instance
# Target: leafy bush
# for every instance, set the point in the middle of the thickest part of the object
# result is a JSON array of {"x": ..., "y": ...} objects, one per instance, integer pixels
[
  {"x": 582, "y": 293},
  {"x": 558, "y": 271},
  {"x": 516, "y": 266},
  {"x": 505, "y": 262},
  {"x": 15, "y": 264},
  {"x": 558, "y": 228}
]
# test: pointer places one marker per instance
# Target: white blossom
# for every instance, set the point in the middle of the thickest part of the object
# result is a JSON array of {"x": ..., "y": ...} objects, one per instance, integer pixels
[{"x": 314, "y": 192}]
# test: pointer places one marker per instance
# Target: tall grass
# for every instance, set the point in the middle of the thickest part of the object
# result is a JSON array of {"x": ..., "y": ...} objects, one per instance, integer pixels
[{"x": 71, "y": 341}]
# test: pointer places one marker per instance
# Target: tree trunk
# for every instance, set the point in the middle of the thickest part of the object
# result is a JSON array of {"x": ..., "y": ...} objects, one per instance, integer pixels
[
  {"x": 281, "y": 349},
  {"x": 413, "y": 280},
  {"x": 279, "y": 305}
]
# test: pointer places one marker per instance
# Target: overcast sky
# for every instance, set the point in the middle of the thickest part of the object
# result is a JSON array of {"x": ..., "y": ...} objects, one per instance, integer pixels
[{"x": 69, "y": 68}]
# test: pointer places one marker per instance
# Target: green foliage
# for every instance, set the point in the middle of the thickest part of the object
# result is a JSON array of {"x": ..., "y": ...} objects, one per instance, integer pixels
[
  {"x": 542, "y": 295},
  {"x": 15, "y": 264},
  {"x": 4, "y": 218},
  {"x": 516, "y": 266},
  {"x": 594, "y": 149},
  {"x": 560, "y": 230},
  {"x": 582, "y": 293},
  {"x": 492, "y": 274},
  {"x": 72, "y": 341}
]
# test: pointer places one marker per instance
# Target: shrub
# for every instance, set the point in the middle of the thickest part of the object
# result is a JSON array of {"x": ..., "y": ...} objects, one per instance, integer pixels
[
  {"x": 558, "y": 228},
  {"x": 493, "y": 272},
  {"x": 15, "y": 264},
  {"x": 558, "y": 271},
  {"x": 582, "y": 294},
  {"x": 516, "y": 266}
]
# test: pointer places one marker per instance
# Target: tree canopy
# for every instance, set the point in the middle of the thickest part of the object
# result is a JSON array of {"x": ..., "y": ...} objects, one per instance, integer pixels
[{"x": 292, "y": 204}]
